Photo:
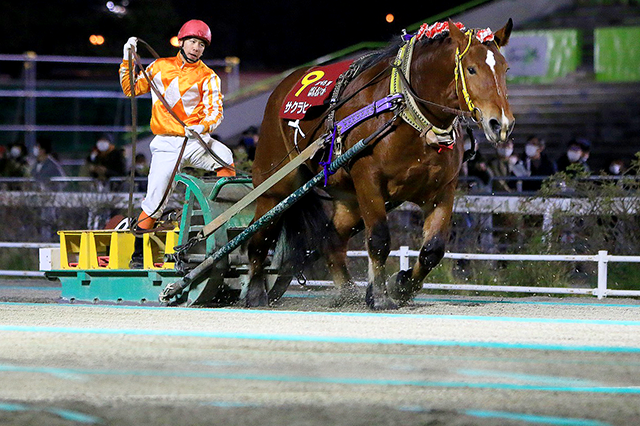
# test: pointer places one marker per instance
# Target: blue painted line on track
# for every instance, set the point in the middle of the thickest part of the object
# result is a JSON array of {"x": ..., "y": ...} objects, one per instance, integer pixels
[
  {"x": 342, "y": 380},
  {"x": 12, "y": 407},
  {"x": 73, "y": 416},
  {"x": 532, "y": 418},
  {"x": 60, "y": 373},
  {"x": 318, "y": 339},
  {"x": 529, "y": 378},
  {"x": 521, "y": 417}
]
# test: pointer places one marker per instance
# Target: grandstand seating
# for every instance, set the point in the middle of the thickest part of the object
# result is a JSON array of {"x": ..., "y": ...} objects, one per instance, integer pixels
[{"x": 606, "y": 113}]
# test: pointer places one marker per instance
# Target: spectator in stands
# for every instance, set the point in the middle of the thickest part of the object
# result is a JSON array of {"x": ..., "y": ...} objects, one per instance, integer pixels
[
  {"x": 141, "y": 171},
  {"x": 17, "y": 165},
  {"x": 477, "y": 169},
  {"x": 536, "y": 162},
  {"x": 616, "y": 167},
  {"x": 585, "y": 144},
  {"x": 249, "y": 141},
  {"x": 106, "y": 161},
  {"x": 573, "y": 156},
  {"x": 46, "y": 166},
  {"x": 3, "y": 159},
  {"x": 502, "y": 165}
]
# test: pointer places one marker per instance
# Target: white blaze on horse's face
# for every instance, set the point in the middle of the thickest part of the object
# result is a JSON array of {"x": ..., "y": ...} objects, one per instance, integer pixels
[
  {"x": 497, "y": 119},
  {"x": 491, "y": 61}
]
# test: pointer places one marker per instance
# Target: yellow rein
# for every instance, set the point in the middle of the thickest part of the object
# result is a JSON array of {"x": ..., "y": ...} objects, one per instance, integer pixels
[{"x": 459, "y": 75}]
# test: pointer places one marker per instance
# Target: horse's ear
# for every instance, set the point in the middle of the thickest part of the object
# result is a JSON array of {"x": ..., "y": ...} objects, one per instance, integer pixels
[
  {"x": 456, "y": 34},
  {"x": 502, "y": 35}
]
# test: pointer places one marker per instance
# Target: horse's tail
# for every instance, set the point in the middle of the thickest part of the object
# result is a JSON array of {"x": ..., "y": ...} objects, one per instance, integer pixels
[{"x": 307, "y": 233}]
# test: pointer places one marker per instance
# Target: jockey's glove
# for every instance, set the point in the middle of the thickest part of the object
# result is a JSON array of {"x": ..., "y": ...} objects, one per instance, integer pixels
[
  {"x": 132, "y": 43},
  {"x": 191, "y": 131}
]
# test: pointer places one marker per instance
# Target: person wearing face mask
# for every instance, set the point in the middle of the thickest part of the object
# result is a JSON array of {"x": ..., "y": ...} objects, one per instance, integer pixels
[
  {"x": 193, "y": 91},
  {"x": 616, "y": 167},
  {"x": 502, "y": 165},
  {"x": 106, "y": 161},
  {"x": 140, "y": 170},
  {"x": 17, "y": 165},
  {"x": 572, "y": 157},
  {"x": 537, "y": 163},
  {"x": 585, "y": 144},
  {"x": 46, "y": 166}
]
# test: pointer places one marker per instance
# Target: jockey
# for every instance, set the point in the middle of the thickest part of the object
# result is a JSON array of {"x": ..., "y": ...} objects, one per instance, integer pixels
[{"x": 193, "y": 91}]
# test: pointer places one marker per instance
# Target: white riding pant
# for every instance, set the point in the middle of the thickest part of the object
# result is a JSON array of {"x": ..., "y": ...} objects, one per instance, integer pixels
[{"x": 164, "y": 154}]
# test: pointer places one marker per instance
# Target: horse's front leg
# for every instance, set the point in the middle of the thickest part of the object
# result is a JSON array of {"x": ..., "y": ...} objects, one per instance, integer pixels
[
  {"x": 378, "y": 245},
  {"x": 435, "y": 232}
]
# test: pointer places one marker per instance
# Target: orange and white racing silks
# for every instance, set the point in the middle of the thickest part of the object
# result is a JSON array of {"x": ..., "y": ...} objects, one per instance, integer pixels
[{"x": 192, "y": 91}]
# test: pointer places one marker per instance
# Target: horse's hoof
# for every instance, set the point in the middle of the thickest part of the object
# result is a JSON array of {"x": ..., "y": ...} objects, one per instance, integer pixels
[
  {"x": 256, "y": 299},
  {"x": 399, "y": 288},
  {"x": 368, "y": 297},
  {"x": 379, "y": 304},
  {"x": 386, "y": 304}
]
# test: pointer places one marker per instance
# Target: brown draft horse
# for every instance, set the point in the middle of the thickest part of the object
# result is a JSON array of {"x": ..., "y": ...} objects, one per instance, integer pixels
[{"x": 399, "y": 166}]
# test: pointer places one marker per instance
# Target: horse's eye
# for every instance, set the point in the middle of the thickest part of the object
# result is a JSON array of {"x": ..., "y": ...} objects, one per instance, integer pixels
[{"x": 471, "y": 70}]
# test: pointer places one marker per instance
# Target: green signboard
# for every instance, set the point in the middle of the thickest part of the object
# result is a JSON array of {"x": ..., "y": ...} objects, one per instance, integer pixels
[
  {"x": 542, "y": 56},
  {"x": 617, "y": 54}
]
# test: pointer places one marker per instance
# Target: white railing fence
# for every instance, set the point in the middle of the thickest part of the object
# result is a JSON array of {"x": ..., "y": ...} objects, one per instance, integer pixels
[
  {"x": 404, "y": 255},
  {"x": 603, "y": 258},
  {"x": 27, "y": 274}
]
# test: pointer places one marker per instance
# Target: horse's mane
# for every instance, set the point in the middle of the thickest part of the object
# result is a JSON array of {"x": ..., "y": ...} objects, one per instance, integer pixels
[
  {"x": 391, "y": 49},
  {"x": 377, "y": 56}
]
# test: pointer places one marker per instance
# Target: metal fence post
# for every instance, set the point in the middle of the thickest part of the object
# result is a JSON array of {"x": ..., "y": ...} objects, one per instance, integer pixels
[
  {"x": 232, "y": 69},
  {"x": 30, "y": 86},
  {"x": 603, "y": 261},
  {"x": 404, "y": 258}
]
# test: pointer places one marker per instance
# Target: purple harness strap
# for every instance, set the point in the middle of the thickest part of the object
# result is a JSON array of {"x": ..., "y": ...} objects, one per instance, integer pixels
[
  {"x": 347, "y": 123},
  {"x": 359, "y": 116}
]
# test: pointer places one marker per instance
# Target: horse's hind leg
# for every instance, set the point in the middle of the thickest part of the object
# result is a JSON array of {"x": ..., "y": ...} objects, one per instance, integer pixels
[
  {"x": 435, "y": 234},
  {"x": 345, "y": 219}
]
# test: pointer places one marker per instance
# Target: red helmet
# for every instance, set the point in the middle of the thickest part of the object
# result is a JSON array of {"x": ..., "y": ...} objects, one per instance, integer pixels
[{"x": 195, "y": 28}]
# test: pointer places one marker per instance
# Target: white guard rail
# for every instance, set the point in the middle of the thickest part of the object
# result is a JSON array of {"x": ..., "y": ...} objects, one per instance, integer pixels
[
  {"x": 603, "y": 258},
  {"x": 15, "y": 273}
]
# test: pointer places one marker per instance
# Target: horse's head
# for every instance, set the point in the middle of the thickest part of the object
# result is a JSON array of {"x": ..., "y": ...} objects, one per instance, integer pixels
[{"x": 481, "y": 82}]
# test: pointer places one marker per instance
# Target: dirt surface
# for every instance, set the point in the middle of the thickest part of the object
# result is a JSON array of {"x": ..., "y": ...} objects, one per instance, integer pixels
[{"x": 443, "y": 360}]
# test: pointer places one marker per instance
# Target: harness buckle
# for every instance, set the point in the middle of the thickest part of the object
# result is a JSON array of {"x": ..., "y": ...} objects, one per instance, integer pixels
[{"x": 476, "y": 115}]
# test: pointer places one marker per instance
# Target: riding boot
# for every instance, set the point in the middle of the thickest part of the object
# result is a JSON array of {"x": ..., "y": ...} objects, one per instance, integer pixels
[
  {"x": 137, "y": 258},
  {"x": 226, "y": 171}
]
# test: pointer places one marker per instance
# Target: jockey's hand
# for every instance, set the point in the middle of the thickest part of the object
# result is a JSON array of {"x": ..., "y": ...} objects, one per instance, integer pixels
[
  {"x": 132, "y": 43},
  {"x": 191, "y": 131}
]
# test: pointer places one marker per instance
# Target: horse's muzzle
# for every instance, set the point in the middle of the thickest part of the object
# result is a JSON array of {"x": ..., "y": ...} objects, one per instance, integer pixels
[{"x": 498, "y": 131}]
